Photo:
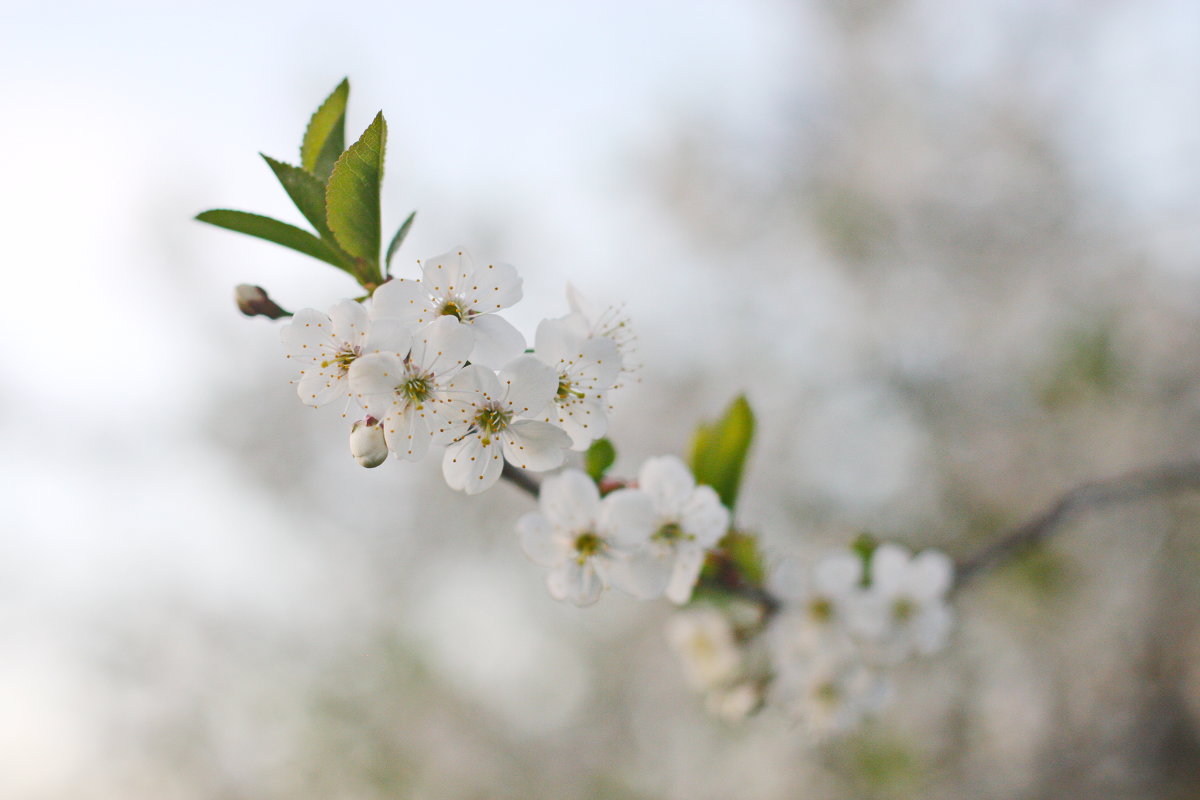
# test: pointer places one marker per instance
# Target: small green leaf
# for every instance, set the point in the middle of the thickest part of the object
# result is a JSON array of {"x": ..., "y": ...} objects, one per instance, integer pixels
[
  {"x": 325, "y": 137},
  {"x": 719, "y": 450},
  {"x": 599, "y": 457},
  {"x": 308, "y": 193},
  {"x": 398, "y": 239},
  {"x": 742, "y": 550},
  {"x": 352, "y": 198},
  {"x": 273, "y": 231},
  {"x": 864, "y": 546}
]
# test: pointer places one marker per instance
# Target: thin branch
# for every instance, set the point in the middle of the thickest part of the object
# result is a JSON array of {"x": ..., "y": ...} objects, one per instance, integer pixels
[
  {"x": 521, "y": 479},
  {"x": 1135, "y": 486}
]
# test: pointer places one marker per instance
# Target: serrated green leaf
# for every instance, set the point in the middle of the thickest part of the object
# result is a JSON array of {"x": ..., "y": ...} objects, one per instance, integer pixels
[
  {"x": 719, "y": 450},
  {"x": 308, "y": 193},
  {"x": 325, "y": 136},
  {"x": 273, "y": 231},
  {"x": 352, "y": 198},
  {"x": 599, "y": 457},
  {"x": 398, "y": 239}
]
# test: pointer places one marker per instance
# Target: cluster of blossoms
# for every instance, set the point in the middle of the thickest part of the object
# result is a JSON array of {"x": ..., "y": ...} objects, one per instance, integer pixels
[
  {"x": 648, "y": 539},
  {"x": 430, "y": 361},
  {"x": 823, "y": 655}
]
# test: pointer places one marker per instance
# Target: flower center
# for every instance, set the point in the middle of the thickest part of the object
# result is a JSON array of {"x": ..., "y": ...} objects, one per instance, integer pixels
[
  {"x": 828, "y": 693},
  {"x": 343, "y": 359},
  {"x": 492, "y": 419},
  {"x": 567, "y": 390},
  {"x": 671, "y": 532},
  {"x": 588, "y": 544},
  {"x": 415, "y": 388},
  {"x": 451, "y": 308},
  {"x": 903, "y": 609},
  {"x": 820, "y": 609}
]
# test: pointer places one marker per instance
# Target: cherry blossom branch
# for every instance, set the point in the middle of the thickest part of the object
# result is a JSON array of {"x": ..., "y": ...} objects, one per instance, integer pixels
[{"x": 1140, "y": 485}]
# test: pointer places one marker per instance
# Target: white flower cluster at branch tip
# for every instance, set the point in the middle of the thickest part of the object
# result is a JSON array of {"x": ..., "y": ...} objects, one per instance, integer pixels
[
  {"x": 823, "y": 656},
  {"x": 431, "y": 362},
  {"x": 649, "y": 540}
]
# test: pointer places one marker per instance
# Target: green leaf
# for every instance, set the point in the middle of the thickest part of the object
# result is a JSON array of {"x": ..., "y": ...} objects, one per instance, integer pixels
[
  {"x": 599, "y": 457},
  {"x": 352, "y": 198},
  {"x": 325, "y": 137},
  {"x": 398, "y": 239},
  {"x": 719, "y": 450},
  {"x": 864, "y": 546},
  {"x": 307, "y": 192},
  {"x": 273, "y": 231},
  {"x": 742, "y": 550}
]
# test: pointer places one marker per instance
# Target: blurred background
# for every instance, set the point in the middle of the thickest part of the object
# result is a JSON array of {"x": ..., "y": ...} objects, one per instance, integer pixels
[{"x": 949, "y": 250}]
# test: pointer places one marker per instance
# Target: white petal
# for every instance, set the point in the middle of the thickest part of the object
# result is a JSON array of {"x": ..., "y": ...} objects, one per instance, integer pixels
[
  {"x": 575, "y": 582},
  {"x": 493, "y": 287},
  {"x": 458, "y": 461},
  {"x": 570, "y": 499},
  {"x": 496, "y": 340},
  {"x": 442, "y": 347},
  {"x": 308, "y": 330},
  {"x": 319, "y": 387},
  {"x": 447, "y": 273},
  {"x": 644, "y": 574},
  {"x": 584, "y": 427},
  {"x": 669, "y": 482},
  {"x": 373, "y": 379},
  {"x": 929, "y": 575},
  {"x": 471, "y": 465},
  {"x": 403, "y": 300},
  {"x": 686, "y": 572},
  {"x": 407, "y": 433},
  {"x": 475, "y": 385},
  {"x": 389, "y": 336},
  {"x": 554, "y": 341},
  {"x": 530, "y": 444},
  {"x": 582, "y": 305},
  {"x": 540, "y": 540},
  {"x": 350, "y": 322},
  {"x": 627, "y": 518},
  {"x": 528, "y": 385},
  {"x": 889, "y": 563},
  {"x": 704, "y": 517}
]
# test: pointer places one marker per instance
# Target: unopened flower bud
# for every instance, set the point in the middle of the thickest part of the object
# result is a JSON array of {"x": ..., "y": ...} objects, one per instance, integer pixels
[
  {"x": 254, "y": 302},
  {"x": 367, "y": 444}
]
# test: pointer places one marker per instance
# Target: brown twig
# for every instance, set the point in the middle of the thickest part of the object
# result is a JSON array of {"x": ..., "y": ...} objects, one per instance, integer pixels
[
  {"x": 1134, "y": 486},
  {"x": 521, "y": 479}
]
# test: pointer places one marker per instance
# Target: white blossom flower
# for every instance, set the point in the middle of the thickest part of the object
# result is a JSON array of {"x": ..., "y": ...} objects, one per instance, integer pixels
[
  {"x": 691, "y": 520},
  {"x": 487, "y": 419},
  {"x": 819, "y": 603},
  {"x": 451, "y": 286},
  {"x": 609, "y": 322},
  {"x": 406, "y": 393},
  {"x": 583, "y": 540},
  {"x": 327, "y": 344},
  {"x": 831, "y": 692},
  {"x": 586, "y": 368},
  {"x": 904, "y": 609},
  {"x": 704, "y": 640},
  {"x": 367, "y": 443}
]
